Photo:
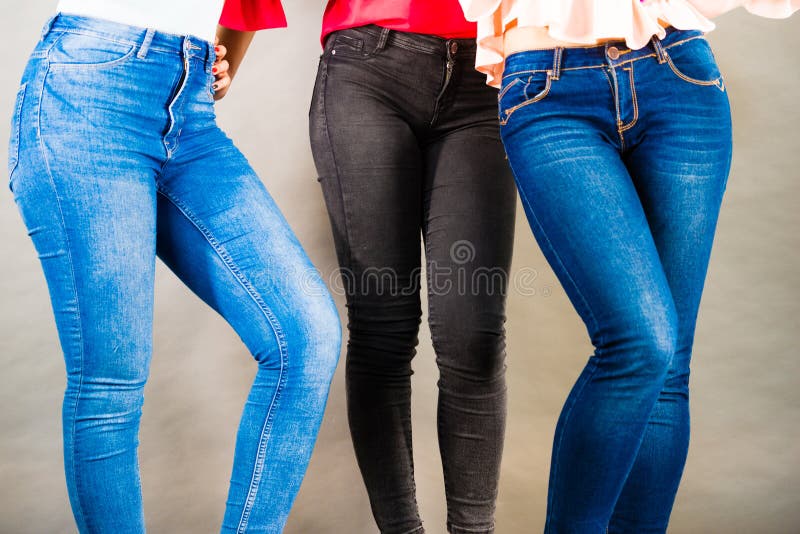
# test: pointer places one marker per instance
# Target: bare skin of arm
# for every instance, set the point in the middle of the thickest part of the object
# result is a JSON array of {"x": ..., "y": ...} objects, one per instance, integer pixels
[{"x": 231, "y": 46}]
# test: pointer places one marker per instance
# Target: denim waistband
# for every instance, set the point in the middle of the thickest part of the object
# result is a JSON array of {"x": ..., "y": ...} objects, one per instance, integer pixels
[
  {"x": 146, "y": 39},
  {"x": 612, "y": 53},
  {"x": 380, "y": 37}
]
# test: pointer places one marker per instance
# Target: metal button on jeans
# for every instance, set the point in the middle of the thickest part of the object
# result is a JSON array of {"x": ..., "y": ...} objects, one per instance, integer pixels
[
  {"x": 613, "y": 52},
  {"x": 453, "y": 47}
]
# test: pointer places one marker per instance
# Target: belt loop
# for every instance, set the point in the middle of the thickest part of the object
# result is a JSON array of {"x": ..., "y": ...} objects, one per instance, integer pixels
[
  {"x": 556, "y": 72},
  {"x": 211, "y": 55},
  {"x": 49, "y": 25},
  {"x": 384, "y": 37},
  {"x": 661, "y": 54},
  {"x": 145, "y": 46}
]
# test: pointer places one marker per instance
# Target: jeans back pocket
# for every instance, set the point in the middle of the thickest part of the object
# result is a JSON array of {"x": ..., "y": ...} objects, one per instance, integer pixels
[{"x": 13, "y": 145}]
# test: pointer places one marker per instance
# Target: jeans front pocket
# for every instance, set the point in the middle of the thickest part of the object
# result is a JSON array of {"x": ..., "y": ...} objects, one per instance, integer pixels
[
  {"x": 75, "y": 50},
  {"x": 13, "y": 145},
  {"x": 521, "y": 90},
  {"x": 351, "y": 43},
  {"x": 693, "y": 61}
]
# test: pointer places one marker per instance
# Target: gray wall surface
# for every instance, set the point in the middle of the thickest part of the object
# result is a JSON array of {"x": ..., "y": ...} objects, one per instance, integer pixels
[{"x": 743, "y": 473}]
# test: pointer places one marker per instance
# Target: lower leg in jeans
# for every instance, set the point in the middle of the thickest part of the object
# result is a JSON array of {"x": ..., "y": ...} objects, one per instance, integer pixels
[
  {"x": 383, "y": 334},
  {"x": 646, "y": 500}
]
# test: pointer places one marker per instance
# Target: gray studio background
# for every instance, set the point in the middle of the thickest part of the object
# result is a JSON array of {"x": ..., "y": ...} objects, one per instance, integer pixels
[{"x": 743, "y": 473}]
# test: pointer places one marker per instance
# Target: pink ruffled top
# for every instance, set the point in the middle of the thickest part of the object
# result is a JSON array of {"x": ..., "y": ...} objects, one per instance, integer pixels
[{"x": 588, "y": 21}]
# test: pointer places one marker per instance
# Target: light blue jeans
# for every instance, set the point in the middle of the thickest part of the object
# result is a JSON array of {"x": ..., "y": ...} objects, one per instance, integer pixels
[
  {"x": 115, "y": 157},
  {"x": 621, "y": 159}
]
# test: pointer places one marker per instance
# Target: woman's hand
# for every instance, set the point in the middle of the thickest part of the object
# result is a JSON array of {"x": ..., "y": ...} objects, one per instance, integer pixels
[
  {"x": 230, "y": 46},
  {"x": 221, "y": 71}
]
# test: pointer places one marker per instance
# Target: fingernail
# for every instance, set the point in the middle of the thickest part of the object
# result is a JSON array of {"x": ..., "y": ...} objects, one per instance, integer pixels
[
  {"x": 214, "y": 70},
  {"x": 216, "y": 49}
]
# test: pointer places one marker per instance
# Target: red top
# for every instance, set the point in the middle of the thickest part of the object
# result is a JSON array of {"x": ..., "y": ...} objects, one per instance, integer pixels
[
  {"x": 252, "y": 15},
  {"x": 444, "y": 18}
]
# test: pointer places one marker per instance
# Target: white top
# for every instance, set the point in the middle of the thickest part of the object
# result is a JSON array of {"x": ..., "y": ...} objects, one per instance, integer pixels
[{"x": 179, "y": 17}]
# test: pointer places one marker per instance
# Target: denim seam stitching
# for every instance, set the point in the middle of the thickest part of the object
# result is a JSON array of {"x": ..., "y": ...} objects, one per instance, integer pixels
[
  {"x": 634, "y": 99},
  {"x": 683, "y": 41},
  {"x": 279, "y": 337},
  {"x": 324, "y": 93},
  {"x": 16, "y": 127},
  {"x": 540, "y": 96},
  {"x": 465, "y": 529},
  {"x": 524, "y": 198},
  {"x": 173, "y": 111},
  {"x": 91, "y": 66},
  {"x": 79, "y": 512},
  {"x": 615, "y": 94},
  {"x": 717, "y": 82},
  {"x": 89, "y": 33},
  {"x": 408, "y": 42},
  {"x": 506, "y": 75},
  {"x": 401, "y": 43},
  {"x": 439, "y": 418},
  {"x": 557, "y": 447},
  {"x": 95, "y": 34},
  {"x": 506, "y": 88}
]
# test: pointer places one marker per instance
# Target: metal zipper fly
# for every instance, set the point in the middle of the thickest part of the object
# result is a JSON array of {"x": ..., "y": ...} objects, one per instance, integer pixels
[
  {"x": 450, "y": 64},
  {"x": 168, "y": 143},
  {"x": 452, "y": 48}
]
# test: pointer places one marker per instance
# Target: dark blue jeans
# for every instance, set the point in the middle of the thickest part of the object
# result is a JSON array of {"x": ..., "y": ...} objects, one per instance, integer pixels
[
  {"x": 115, "y": 157},
  {"x": 621, "y": 158}
]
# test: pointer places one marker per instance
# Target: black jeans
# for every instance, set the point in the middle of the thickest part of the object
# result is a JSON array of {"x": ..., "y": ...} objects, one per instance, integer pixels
[{"x": 406, "y": 142}]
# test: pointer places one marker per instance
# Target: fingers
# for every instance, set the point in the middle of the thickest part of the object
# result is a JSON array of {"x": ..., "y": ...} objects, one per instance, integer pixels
[
  {"x": 220, "y": 68},
  {"x": 220, "y": 51},
  {"x": 221, "y": 84}
]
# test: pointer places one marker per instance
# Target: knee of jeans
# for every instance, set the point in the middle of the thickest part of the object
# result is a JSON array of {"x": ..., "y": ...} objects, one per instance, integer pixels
[
  {"x": 641, "y": 345},
  {"x": 474, "y": 359},
  {"x": 105, "y": 404},
  {"x": 314, "y": 339},
  {"x": 677, "y": 382},
  {"x": 383, "y": 336}
]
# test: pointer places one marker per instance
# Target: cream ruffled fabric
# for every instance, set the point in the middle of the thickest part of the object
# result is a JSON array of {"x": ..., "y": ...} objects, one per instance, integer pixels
[{"x": 587, "y": 21}]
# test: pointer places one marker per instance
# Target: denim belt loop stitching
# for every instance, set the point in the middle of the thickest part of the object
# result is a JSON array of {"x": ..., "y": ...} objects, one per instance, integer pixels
[
  {"x": 383, "y": 39},
  {"x": 145, "y": 46},
  {"x": 49, "y": 25},
  {"x": 661, "y": 54},
  {"x": 557, "y": 57}
]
